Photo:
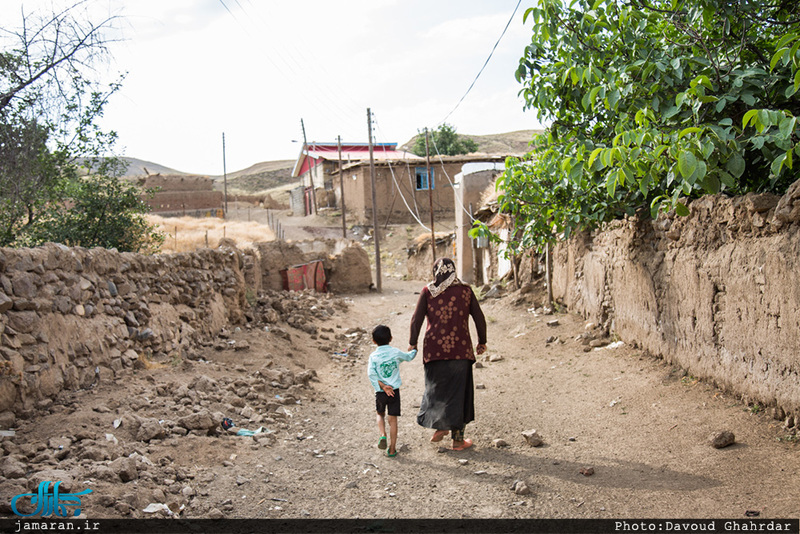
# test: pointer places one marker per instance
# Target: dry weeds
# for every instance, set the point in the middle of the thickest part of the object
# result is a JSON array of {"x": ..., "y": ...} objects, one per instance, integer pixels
[{"x": 185, "y": 234}]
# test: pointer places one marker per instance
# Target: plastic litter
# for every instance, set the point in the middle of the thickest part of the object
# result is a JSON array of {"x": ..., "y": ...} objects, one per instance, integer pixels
[
  {"x": 229, "y": 426},
  {"x": 157, "y": 507}
]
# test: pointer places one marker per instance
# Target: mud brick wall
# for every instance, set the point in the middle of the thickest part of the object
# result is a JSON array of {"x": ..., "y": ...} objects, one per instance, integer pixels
[
  {"x": 177, "y": 182},
  {"x": 717, "y": 292},
  {"x": 70, "y": 317},
  {"x": 346, "y": 264},
  {"x": 176, "y": 201}
]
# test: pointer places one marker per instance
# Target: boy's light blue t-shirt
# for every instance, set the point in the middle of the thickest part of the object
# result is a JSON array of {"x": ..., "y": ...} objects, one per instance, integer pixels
[{"x": 384, "y": 365}]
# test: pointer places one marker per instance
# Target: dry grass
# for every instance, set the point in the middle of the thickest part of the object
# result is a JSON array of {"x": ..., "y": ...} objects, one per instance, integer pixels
[{"x": 185, "y": 234}]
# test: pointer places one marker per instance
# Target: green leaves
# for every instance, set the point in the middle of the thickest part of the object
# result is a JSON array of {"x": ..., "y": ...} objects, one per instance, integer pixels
[
  {"x": 687, "y": 164},
  {"x": 444, "y": 141},
  {"x": 651, "y": 105}
]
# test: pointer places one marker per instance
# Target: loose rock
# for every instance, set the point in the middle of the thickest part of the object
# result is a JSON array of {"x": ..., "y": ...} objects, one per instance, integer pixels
[
  {"x": 722, "y": 439},
  {"x": 532, "y": 438}
]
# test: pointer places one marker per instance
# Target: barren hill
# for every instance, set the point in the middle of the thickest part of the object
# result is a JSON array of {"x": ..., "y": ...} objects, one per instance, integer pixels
[
  {"x": 268, "y": 175},
  {"x": 259, "y": 177},
  {"x": 140, "y": 167}
]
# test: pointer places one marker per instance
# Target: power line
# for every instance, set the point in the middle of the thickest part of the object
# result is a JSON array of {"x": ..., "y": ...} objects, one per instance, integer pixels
[
  {"x": 484, "y": 65},
  {"x": 441, "y": 161},
  {"x": 321, "y": 98},
  {"x": 396, "y": 184}
]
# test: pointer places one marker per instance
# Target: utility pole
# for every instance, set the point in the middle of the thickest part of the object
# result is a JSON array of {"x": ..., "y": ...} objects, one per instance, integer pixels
[
  {"x": 224, "y": 174},
  {"x": 430, "y": 194},
  {"x": 375, "y": 229},
  {"x": 341, "y": 189},
  {"x": 310, "y": 169}
]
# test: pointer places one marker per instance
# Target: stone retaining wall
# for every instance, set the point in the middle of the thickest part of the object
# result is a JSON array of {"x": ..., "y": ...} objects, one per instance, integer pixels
[
  {"x": 70, "y": 317},
  {"x": 717, "y": 292}
]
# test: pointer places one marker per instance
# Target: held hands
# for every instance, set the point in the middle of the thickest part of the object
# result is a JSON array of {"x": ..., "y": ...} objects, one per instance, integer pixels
[{"x": 480, "y": 349}]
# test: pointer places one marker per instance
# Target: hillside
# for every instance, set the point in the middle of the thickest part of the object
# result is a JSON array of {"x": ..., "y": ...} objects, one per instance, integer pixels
[
  {"x": 139, "y": 167},
  {"x": 254, "y": 179},
  {"x": 502, "y": 143},
  {"x": 259, "y": 177},
  {"x": 269, "y": 175}
]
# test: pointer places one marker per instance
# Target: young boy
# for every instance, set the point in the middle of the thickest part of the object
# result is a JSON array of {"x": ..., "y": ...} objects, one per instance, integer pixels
[{"x": 384, "y": 374}]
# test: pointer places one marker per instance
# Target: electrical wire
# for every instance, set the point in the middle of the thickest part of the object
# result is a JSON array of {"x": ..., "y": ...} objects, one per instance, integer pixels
[
  {"x": 396, "y": 184},
  {"x": 484, "y": 65},
  {"x": 323, "y": 100},
  {"x": 441, "y": 161}
]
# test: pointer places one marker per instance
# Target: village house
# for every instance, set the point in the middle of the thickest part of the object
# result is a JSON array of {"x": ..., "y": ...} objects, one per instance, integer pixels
[
  {"x": 406, "y": 190},
  {"x": 317, "y": 163}
]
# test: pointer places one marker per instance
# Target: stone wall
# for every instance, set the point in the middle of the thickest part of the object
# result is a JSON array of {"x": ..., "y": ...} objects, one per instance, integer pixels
[
  {"x": 716, "y": 293},
  {"x": 70, "y": 316}
]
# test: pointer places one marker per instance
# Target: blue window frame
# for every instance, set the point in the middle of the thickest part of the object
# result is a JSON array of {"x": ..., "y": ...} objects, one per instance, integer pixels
[{"x": 422, "y": 179}]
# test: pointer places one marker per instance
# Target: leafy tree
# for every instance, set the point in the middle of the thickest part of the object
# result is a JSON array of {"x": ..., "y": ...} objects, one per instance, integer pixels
[
  {"x": 102, "y": 211},
  {"x": 650, "y": 103},
  {"x": 49, "y": 108},
  {"x": 444, "y": 141}
]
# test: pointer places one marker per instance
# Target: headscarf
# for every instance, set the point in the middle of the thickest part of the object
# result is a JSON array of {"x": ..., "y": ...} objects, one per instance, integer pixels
[{"x": 444, "y": 275}]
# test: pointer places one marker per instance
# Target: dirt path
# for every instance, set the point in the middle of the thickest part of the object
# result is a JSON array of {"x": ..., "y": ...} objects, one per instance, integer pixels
[{"x": 641, "y": 426}]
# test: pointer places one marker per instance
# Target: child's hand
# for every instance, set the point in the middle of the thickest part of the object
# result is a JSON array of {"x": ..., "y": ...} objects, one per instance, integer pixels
[{"x": 388, "y": 390}]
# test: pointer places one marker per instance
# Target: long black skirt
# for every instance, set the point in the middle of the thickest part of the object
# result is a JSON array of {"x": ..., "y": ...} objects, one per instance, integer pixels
[{"x": 448, "y": 401}]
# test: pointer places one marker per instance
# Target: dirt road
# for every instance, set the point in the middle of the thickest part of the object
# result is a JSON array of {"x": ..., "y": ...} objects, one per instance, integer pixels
[
  {"x": 638, "y": 426},
  {"x": 641, "y": 426}
]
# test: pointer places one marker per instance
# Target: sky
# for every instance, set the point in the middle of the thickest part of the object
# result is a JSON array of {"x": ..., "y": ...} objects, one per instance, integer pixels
[{"x": 253, "y": 69}]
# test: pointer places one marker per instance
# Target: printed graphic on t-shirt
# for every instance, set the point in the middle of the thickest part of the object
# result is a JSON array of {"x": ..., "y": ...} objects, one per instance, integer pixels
[{"x": 387, "y": 368}]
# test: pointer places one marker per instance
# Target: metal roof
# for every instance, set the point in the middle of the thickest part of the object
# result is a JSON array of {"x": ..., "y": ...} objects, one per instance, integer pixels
[{"x": 330, "y": 152}]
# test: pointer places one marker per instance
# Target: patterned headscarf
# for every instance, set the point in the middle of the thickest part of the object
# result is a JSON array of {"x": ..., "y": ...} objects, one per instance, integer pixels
[{"x": 444, "y": 275}]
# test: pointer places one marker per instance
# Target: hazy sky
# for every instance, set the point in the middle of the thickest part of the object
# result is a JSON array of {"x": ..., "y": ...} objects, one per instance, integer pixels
[{"x": 253, "y": 68}]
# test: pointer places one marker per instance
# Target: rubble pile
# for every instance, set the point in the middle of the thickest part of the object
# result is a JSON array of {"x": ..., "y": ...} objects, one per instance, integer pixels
[{"x": 128, "y": 441}]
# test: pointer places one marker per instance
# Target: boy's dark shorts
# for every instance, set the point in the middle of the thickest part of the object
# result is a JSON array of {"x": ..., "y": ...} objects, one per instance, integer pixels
[{"x": 384, "y": 402}]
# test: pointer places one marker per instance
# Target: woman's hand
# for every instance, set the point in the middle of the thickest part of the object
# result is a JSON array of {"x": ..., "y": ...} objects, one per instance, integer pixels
[
  {"x": 411, "y": 347},
  {"x": 480, "y": 349}
]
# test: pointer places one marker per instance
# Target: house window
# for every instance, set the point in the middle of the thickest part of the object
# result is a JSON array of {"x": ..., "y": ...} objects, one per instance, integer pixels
[{"x": 422, "y": 179}]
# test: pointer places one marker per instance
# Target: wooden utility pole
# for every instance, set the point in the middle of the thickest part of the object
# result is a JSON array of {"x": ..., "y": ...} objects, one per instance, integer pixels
[
  {"x": 310, "y": 169},
  {"x": 375, "y": 229},
  {"x": 224, "y": 174},
  {"x": 341, "y": 189},
  {"x": 430, "y": 194},
  {"x": 548, "y": 258}
]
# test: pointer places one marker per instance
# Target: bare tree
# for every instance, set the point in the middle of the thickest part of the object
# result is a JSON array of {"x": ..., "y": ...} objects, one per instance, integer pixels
[
  {"x": 48, "y": 106},
  {"x": 48, "y": 54}
]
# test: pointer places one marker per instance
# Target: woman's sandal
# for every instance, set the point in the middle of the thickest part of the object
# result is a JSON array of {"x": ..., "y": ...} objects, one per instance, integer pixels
[
  {"x": 466, "y": 444},
  {"x": 382, "y": 443},
  {"x": 439, "y": 435}
]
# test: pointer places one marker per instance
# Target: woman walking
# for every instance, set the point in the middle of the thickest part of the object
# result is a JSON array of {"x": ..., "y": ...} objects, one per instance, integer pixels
[{"x": 448, "y": 402}]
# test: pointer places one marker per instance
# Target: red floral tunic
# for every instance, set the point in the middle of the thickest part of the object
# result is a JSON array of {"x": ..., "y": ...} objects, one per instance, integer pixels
[{"x": 447, "y": 335}]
